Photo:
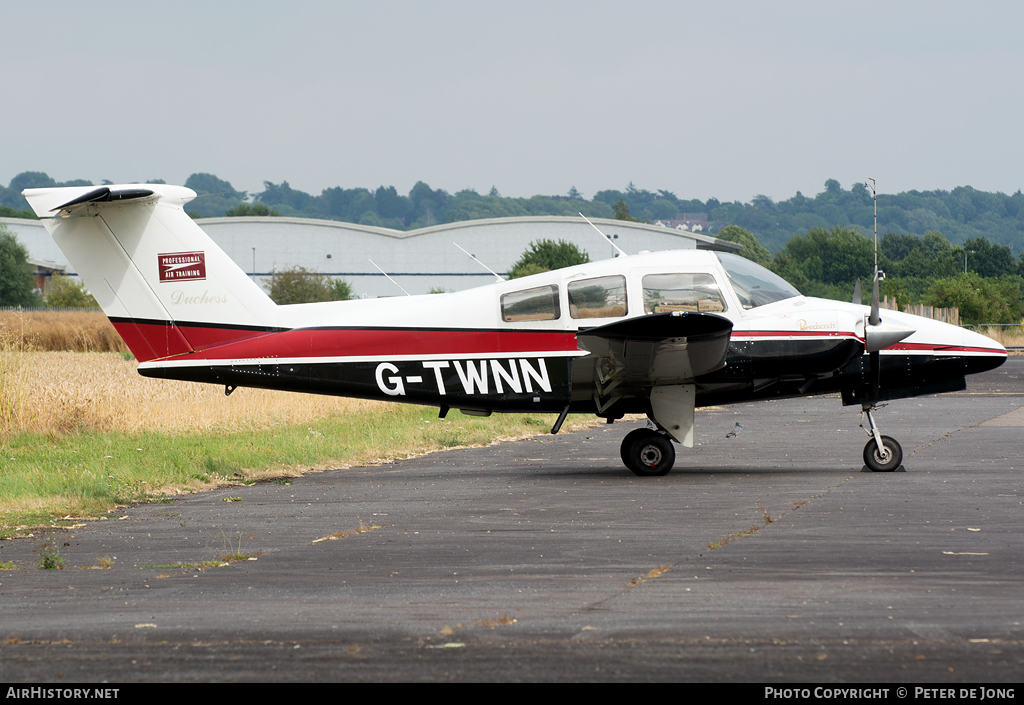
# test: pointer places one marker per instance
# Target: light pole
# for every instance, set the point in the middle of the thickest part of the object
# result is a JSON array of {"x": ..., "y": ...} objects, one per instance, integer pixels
[
  {"x": 966, "y": 252},
  {"x": 614, "y": 254}
]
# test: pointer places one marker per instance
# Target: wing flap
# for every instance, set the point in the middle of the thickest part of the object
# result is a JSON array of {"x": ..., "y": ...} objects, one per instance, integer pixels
[{"x": 659, "y": 349}]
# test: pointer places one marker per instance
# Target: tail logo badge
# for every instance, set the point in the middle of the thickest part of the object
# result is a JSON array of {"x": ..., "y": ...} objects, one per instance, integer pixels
[{"x": 182, "y": 266}]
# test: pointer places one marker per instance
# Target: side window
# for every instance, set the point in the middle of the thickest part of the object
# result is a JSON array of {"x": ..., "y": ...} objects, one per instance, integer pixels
[
  {"x": 681, "y": 292},
  {"x": 540, "y": 304},
  {"x": 603, "y": 297}
]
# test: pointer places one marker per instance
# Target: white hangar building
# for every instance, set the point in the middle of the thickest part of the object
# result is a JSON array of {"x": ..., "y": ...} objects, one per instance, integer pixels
[{"x": 418, "y": 260}]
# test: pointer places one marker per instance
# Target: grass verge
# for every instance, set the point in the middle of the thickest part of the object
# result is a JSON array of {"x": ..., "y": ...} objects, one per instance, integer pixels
[{"x": 53, "y": 480}]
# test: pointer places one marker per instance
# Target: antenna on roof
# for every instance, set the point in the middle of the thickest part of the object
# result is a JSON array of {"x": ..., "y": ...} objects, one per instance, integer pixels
[
  {"x": 606, "y": 237},
  {"x": 389, "y": 278},
  {"x": 500, "y": 278}
]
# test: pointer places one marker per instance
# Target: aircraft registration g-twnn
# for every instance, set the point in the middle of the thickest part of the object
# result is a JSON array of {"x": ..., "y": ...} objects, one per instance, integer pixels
[{"x": 652, "y": 333}]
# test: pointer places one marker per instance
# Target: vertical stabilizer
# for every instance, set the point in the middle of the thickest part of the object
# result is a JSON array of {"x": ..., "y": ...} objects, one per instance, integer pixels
[{"x": 165, "y": 285}]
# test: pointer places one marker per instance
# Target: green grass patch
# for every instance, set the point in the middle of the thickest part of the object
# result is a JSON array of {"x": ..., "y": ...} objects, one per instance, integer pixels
[{"x": 49, "y": 481}]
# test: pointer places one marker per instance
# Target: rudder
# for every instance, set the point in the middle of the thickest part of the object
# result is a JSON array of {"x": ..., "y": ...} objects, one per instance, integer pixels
[{"x": 164, "y": 284}]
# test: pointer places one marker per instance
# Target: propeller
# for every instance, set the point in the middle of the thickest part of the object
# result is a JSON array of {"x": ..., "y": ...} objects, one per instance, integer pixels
[{"x": 879, "y": 335}]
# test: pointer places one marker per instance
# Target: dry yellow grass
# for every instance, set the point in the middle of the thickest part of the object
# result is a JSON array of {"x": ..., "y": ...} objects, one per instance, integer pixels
[
  {"x": 59, "y": 392},
  {"x": 59, "y": 330},
  {"x": 1004, "y": 335}
]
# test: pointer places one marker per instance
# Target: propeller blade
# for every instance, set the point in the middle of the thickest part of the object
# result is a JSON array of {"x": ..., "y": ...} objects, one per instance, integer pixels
[
  {"x": 874, "y": 319},
  {"x": 875, "y": 374},
  {"x": 856, "y": 292}
]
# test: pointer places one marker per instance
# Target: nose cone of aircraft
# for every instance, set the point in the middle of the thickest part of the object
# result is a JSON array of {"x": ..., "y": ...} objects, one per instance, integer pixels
[{"x": 981, "y": 352}]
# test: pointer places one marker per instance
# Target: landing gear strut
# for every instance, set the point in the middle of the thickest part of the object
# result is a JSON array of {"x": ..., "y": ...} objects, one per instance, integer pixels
[
  {"x": 882, "y": 453},
  {"x": 647, "y": 452}
]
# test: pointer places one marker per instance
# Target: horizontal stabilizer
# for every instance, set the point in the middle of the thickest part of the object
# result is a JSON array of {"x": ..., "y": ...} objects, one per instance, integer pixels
[
  {"x": 660, "y": 349},
  {"x": 105, "y": 195}
]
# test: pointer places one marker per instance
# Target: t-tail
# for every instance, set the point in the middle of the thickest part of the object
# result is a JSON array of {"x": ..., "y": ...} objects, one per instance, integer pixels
[{"x": 165, "y": 285}]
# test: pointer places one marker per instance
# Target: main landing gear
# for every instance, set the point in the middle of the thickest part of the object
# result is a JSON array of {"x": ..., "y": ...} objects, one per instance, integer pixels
[
  {"x": 647, "y": 452},
  {"x": 882, "y": 453}
]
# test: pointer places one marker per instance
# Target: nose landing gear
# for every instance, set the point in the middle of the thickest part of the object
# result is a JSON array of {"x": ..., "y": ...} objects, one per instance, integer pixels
[{"x": 882, "y": 453}]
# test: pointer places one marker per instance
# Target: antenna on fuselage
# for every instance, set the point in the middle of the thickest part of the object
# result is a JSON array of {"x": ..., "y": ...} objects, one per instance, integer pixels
[
  {"x": 500, "y": 278},
  {"x": 389, "y": 278},
  {"x": 606, "y": 237}
]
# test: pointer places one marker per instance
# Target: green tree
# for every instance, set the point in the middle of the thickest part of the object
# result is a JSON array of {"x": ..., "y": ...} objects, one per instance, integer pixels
[
  {"x": 215, "y": 196},
  {"x": 832, "y": 257},
  {"x": 65, "y": 292},
  {"x": 341, "y": 290},
  {"x": 7, "y": 212},
  {"x": 892, "y": 287},
  {"x": 546, "y": 255},
  {"x": 299, "y": 285},
  {"x": 17, "y": 285},
  {"x": 621, "y": 210},
  {"x": 980, "y": 300},
  {"x": 988, "y": 259},
  {"x": 752, "y": 249},
  {"x": 288, "y": 200},
  {"x": 251, "y": 209}
]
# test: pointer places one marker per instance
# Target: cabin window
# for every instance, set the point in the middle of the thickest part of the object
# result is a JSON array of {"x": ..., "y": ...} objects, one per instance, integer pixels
[
  {"x": 602, "y": 297},
  {"x": 754, "y": 285},
  {"x": 682, "y": 292},
  {"x": 540, "y": 304}
]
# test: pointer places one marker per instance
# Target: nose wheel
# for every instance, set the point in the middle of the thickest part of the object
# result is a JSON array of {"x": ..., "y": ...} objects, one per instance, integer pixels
[
  {"x": 886, "y": 459},
  {"x": 882, "y": 453},
  {"x": 647, "y": 452}
]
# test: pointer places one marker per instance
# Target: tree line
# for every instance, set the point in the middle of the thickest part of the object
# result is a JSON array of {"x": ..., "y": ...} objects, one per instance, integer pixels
[
  {"x": 961, "y": 214},
  {"x": 820, "y": 244},
  {"x": 980, "y": 278}
]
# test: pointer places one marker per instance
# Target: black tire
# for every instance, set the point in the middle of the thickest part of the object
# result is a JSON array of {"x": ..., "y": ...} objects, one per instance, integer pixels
[
  {"x": 874, "y": 460},
  {"x": 651, "y": 454},
  {"x": 628, "y": 441}
]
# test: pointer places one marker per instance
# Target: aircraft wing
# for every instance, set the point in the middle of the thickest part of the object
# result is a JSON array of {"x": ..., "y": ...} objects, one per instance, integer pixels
[{"x": 658, "y": 349}]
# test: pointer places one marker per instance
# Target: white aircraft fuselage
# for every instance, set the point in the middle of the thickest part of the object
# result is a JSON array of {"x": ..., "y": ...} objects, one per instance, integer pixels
[{"x": 654, "y": 333}]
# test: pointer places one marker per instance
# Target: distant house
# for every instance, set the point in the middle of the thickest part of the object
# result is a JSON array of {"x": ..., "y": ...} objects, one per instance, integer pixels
[
  {"x": 43, "y": 269},
  {"x": 690, "y": 222},
  {"x": 694, "y": 222}
]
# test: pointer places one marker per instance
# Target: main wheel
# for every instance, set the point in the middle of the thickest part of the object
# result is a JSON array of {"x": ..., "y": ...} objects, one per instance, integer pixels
[
  {"x": 627, "y": 443},
  {"x": 650, "y": 454},
  {"x": 879, "y": 462}
]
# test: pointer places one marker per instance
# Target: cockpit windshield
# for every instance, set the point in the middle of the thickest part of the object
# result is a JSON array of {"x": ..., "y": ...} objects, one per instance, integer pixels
[{"x": 754, "y": 285}]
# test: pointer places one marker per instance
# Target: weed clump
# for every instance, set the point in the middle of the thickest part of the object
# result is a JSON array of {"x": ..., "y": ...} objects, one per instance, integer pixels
[{"x": 49, "y": 553}]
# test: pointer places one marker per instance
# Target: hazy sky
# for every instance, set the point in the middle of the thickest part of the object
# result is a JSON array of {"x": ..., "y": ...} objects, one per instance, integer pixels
[{"x": 723, "y": 99}]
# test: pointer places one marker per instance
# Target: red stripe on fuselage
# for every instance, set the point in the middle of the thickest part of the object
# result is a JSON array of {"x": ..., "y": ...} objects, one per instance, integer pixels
[
  {"x": 149, "y": 341},
  {"x": 793, "y": 334},
  {"x": 205, "y": 337},
  {"x": 340, "y": 342},
  {"x": 898, "y": 347},
  {"x": 933, "y": 348}
]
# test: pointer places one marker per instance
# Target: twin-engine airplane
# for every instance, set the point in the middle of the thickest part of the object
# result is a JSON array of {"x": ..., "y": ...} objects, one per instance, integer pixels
[{"x": 656, "y": 334}]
